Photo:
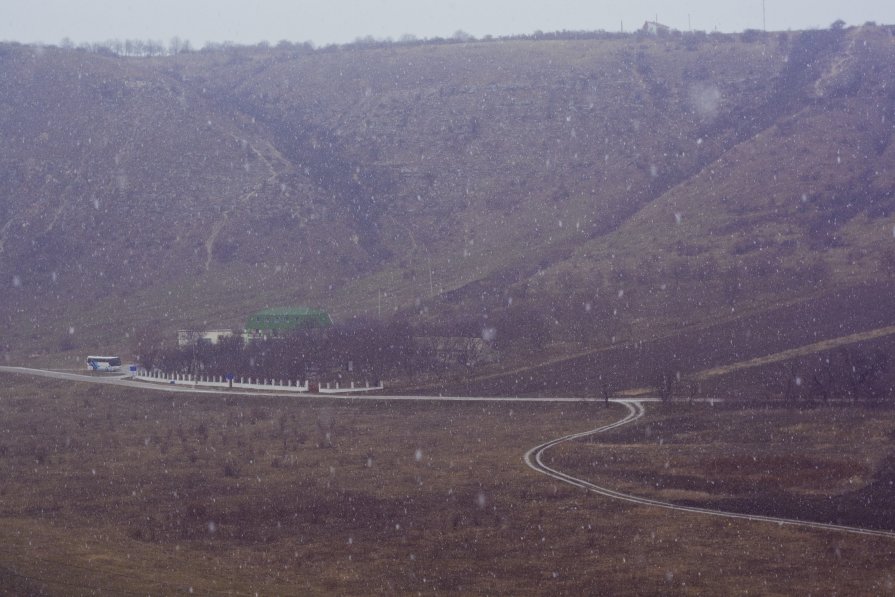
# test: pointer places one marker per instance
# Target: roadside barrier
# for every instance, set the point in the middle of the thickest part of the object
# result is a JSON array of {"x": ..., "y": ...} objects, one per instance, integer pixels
[
  {"x": 250, "y": 383},
  {"x": 335, "y": 389}
]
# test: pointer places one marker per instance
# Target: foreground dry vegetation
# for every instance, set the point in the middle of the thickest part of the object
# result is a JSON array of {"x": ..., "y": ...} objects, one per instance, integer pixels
[
  {"x": 146, "y": 492},
  {"x": 830, "y": 465}
]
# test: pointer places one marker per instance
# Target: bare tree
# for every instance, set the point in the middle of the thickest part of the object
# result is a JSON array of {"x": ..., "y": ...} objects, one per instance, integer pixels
[
  {"x": 731, "y": 285},
  {"x": 824, "y": 379},
  {"x": 863, "y": 373},
  {"x": 154, "y": 48},
  {"x": 666, "y": 384},
  {"x": 149, "y": 345},
  {"x": 179, "y": 46},
  {"x": 791, "y": 385},
  {"x": 325, "y": 427},
  {"x": 605, "y": 388}
]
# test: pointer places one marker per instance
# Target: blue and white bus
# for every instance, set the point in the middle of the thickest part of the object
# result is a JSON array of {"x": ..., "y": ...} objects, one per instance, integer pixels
[{"x": 110, "y": 364}]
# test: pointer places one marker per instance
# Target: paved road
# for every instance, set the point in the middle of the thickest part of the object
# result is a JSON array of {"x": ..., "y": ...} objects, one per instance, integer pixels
[
  {"x": 534, "y": 459},
  {"x": 126, "y": 381}
]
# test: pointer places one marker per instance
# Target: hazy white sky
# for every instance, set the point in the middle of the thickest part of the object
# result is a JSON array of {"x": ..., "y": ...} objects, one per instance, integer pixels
[{"x": 338, "y": 21}]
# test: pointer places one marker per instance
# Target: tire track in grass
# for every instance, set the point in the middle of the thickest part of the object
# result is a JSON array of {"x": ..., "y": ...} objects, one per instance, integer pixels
[{"x": 799, "y": 351}]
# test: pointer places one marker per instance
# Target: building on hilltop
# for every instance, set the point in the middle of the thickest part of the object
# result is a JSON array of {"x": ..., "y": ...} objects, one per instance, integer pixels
[
  {"x": 655, "y": 28},
  {"x": 282, "y": 320}
]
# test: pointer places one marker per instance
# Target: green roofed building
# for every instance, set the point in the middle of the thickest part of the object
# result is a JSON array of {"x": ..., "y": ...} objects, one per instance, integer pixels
[{"x": 282, "y": 320}]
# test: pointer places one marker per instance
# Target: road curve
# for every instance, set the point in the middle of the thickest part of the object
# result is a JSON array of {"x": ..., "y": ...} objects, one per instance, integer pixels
[{"x": 534, "y": 459}]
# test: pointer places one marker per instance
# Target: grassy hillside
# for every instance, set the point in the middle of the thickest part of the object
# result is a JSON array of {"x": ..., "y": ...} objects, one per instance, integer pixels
[{"x": 615, "y": 190}]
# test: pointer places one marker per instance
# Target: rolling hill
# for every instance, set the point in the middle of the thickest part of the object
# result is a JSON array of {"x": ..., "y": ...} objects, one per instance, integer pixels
[{"x": 602, "y": 190}]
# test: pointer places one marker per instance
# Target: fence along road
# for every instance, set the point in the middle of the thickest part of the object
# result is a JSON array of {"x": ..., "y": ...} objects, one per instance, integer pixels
[
  {"x": 533, "y": 458},
  {"x": 125, "y": 380}
]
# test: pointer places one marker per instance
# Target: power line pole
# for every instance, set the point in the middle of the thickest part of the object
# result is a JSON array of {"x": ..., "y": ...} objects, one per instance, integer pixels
[{"x": 764, "y": 17}]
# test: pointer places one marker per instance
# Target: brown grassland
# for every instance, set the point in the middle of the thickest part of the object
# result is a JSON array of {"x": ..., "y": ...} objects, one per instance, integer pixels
[{"x": 117, "y": 491}]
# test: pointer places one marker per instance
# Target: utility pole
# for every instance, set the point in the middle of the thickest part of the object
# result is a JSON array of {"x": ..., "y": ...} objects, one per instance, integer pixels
[
  {"x": 429, "y": 263},
  {"x": 764, "y": 18}
]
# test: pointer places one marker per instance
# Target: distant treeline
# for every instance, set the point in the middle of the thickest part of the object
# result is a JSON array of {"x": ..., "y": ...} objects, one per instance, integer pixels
[
  {"x": 176, "y": 45},
  {"x": 132, "y": 47}
]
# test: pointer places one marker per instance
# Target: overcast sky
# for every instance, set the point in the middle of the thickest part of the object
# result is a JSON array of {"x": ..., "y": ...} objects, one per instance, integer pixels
[{"x": 338, "y": 21}]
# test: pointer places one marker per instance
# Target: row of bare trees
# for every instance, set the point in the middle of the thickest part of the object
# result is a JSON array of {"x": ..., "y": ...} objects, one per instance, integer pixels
[
  {"x": 361, "y": 348},
  {"x": 849, "y": 374},
  {"x": 852, "y": 374},
  {"x": 132, "y": 47}
]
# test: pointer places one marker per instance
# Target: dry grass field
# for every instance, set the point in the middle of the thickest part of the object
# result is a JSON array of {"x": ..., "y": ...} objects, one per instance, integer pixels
[
  {"x": 822, "y": 464},
  {"x": 116, "y": 491}
]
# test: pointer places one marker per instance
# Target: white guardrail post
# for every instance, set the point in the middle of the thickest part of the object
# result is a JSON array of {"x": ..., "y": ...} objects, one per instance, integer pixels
[{"x": 255, "y": 383}]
